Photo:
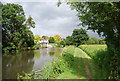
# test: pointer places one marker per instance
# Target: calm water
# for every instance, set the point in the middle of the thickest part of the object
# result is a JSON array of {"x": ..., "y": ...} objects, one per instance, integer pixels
[{"x": 27, "y": 61}]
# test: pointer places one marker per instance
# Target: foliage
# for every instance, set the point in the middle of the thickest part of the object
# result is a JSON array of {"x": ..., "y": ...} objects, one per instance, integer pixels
[
  {"x": 63, "y": 43},
  {"x": 91, "y": 50},
  {"x": 37, "y": 38},
  {"x": 36, "y": 47},
  {"x": 27, "y": 76},
  {"x": 44, "y": 46},
  {"x": 57, "y": 38},
  {"x": 51, "y": 40},
  {"x": 70, "y": 65},
  {"x": 55, "y": 68},
  {"x": 44, "y": 37},
  {"x": 68, "y": 40},
  {"x": 79, "y": 36},
  {"x": 30, "y": 23},
  {"x": 102, "y": 17},
  {"x": 16, "y": 31},
  {"x": 94, "y": 40},
  {"x": 103, "y": 58}
]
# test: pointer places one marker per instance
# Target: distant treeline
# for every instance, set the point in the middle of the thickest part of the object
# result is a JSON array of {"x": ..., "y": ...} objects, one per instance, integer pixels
[
  {"x": 94, "y": 40},
  {"x": 79, "y": 37},
  {"x": 91, "y": 40}
]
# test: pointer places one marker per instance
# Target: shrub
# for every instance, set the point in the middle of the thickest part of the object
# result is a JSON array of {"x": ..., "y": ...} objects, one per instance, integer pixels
[{"x": 36, "y": 47}]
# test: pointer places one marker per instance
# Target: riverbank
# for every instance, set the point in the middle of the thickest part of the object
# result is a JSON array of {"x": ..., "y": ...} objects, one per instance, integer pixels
[{"x": 72, "y": 64}]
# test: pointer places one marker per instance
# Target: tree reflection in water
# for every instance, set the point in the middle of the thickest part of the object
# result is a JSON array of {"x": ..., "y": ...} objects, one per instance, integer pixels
[
  {"x": 27, "y": 61},
  {"x": 17, "y": 64}
]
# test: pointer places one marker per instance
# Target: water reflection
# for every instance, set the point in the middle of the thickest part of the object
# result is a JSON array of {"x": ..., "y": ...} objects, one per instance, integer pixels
[
  {"x": 18, "y": 63},
  {"x": 51, "y": 53},
  {"x": 27, "y": 61}
]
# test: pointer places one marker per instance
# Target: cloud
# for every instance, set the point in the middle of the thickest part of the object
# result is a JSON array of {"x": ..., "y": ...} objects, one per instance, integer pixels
[
  {"x": 92, "y": 34},
  {"x": 51, "y": 20}
]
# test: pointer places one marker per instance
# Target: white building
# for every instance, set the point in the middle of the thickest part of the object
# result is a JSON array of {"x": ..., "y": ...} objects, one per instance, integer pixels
[{"x": 43, "y": 43}]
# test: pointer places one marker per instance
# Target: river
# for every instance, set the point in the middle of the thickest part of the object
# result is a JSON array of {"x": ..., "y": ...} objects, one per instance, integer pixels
[{"x": 27, "y": 61}]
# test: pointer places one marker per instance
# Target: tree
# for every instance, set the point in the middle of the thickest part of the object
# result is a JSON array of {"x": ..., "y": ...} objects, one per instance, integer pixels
[
  {"x": 37, "y": 38},
  {"x": 103, "y": 17},
  {"x": 44, "y": 37},
  {"x": 57, "y": 38},
  {"x": 79, "y": 36},
  {"x": 63, "y": 43},
  {"x": 68, "y": 40},
  {"x": 94, "y": 40},
  {"x": 16, "y": 31},
  {"x": 30, "y": 23},
  {"x": 51, "y": 40}
]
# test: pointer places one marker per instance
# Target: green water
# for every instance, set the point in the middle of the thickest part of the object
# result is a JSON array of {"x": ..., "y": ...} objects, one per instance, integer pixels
[{"x": 27, "y": 61}]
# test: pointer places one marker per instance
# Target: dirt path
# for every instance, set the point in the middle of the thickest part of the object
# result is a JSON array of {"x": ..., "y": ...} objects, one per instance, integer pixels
[
  {"x": 87, "y": 70},
  {"x": 84, "y": 56}
]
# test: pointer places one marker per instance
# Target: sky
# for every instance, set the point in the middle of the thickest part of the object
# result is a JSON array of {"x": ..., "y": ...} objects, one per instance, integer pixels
[{"x": 51, "y": 20}]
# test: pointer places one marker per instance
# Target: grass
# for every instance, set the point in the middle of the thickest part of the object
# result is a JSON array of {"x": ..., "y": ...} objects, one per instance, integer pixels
[
  {"x": 74, "y": 68},
  {"x": 61, "y": 66},
  {"x": 92, "y": 50},
  {"x": 100, "y": 59}
]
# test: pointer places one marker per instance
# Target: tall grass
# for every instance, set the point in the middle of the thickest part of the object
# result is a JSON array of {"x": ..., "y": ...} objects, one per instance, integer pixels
[
  {"x": 55, "y": 68},
  {"x": 103, "y": 58},
  {"x": 92, "y": 50}
]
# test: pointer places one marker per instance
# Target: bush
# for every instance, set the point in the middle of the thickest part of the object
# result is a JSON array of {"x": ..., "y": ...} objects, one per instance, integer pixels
[
  {"x": 36, "y": 47},
  {"x": 61, "y": 65},
  {"x": 63, "y": 43}
]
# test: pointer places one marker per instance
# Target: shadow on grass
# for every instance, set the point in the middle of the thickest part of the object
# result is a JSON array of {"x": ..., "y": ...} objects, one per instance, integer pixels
[
  {"x": 77, "y": 67},
  {"x": 109, "y": 63}
]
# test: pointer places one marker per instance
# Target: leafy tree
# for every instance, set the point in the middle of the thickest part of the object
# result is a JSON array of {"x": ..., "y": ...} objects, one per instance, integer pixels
[
  {"x": 37, "y": 38},
  {"x": 30, "y": 23},
  {"x": 68, "y": 40},
  {"x": 103, "y": 17},
  {"x": 51, "y": 40},
  {"x": 63, "y": 43},
  {"x": 57, "y": 38},
  {"x": 94, "y": 40},
  {"x": 79, "y": 36},
  {"x": 16, "y": 31},
  {"x": 44, "y": 37}
]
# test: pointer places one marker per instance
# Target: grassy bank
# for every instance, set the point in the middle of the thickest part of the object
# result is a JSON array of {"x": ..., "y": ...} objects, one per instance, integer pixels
[{"x": 56, "y": 68}]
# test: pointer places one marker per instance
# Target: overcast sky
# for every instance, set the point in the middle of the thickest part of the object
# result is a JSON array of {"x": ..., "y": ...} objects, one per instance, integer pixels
[{"x": 51, "y": 20}]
